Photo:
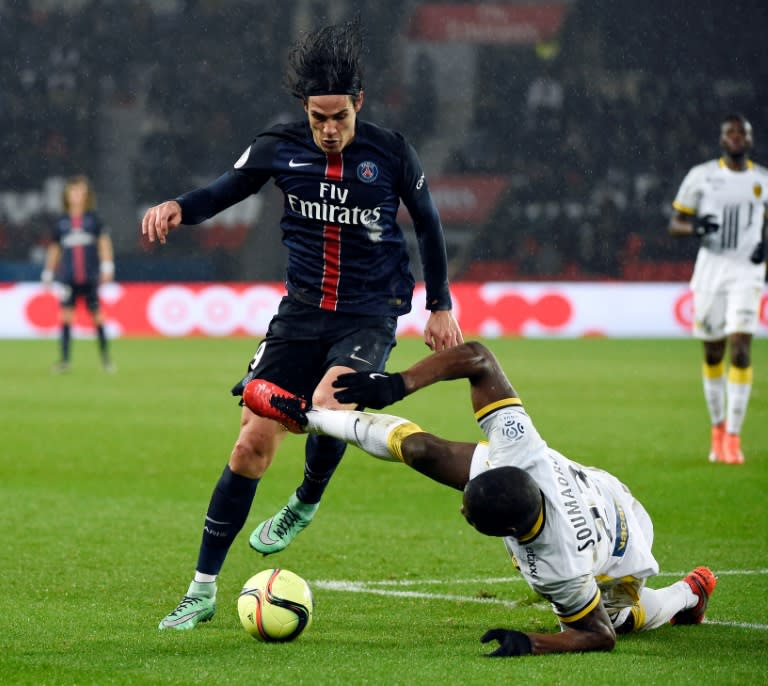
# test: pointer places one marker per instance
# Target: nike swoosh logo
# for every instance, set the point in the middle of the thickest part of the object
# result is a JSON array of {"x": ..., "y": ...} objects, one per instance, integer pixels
[
  {"x": 376, "y": 375},
  {"x": 354, "y": 431},
  {"x": 359, "y": 359},
  {"x": 264, "y": 535},
  {"x": 180, "y": 620},
  {"x": 293, "y": 164}
]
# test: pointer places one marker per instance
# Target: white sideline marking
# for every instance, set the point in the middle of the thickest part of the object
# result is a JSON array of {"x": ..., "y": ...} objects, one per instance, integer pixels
[{"x": 383, "y": 587}]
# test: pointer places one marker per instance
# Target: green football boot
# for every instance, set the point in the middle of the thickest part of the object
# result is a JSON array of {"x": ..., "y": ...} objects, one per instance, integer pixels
[
  {"x": 198, "y": 605},
  {"x": 276, "y": 533}
]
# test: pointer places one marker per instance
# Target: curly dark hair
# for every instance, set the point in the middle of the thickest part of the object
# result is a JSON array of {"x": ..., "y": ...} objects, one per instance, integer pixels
[{"x": 327, "y": 62}]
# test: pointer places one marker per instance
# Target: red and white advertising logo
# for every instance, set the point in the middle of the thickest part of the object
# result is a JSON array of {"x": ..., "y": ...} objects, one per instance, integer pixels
[{"x": 27, "y": 310}]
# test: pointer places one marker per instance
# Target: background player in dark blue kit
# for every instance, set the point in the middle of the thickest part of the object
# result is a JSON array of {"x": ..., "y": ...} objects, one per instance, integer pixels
[
  {"x": 348, "y": 279},
  {"x": 80, "y": 255}
]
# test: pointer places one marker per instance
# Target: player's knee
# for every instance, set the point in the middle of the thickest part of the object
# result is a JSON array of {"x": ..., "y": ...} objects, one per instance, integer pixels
[
  {"x": 740, "y": 352},
  {"x": 247, "y": 460},
  {"x": 254, "y": 448}
]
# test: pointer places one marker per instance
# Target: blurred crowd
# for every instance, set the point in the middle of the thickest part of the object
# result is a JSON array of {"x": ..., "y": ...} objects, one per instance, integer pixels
[
  {"x": 593, "y": 131},
  {"x": 599, "y": 131}
]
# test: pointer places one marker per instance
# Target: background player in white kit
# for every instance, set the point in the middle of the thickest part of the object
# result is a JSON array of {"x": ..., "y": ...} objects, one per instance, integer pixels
[
  {"x": 577, "y": 535},
  {"x": 724, "y": 203}
]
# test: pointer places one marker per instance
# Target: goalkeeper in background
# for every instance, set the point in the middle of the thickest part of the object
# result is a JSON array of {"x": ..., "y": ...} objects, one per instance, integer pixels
[
  {"x": 577, "y": 535},
  {"x": 723, "y": 202}
]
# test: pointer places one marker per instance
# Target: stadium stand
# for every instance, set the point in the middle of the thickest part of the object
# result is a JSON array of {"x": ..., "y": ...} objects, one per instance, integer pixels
[{"x": 592, "y": 130}]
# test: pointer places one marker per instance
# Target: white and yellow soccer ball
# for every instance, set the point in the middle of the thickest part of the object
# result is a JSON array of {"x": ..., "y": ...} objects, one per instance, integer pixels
[{"x": 275, "y": 605}]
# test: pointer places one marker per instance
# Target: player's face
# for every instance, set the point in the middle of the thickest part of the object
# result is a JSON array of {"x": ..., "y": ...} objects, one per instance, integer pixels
[
  {"x": 77, "y": 196},
  {"x": 736, "y": 138},
  {"x": 332, "y": 119}
]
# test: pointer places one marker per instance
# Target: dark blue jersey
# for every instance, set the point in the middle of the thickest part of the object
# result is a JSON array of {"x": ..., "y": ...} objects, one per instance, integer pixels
[
  {"x": 78, "y": 239},
  {"x": 346, "y": 251}
]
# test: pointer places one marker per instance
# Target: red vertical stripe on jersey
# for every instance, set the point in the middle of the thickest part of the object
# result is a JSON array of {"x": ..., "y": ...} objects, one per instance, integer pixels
[
  {"x": 78, "y": 253},
  {"x": 334, "y": 171}
]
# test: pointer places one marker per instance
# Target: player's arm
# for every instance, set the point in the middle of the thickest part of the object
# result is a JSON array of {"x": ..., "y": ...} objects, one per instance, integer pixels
[
  {"x": 106, "y": 258},
  {"x": 686, "y": 220},
  {"x": 472, "y": 361},
  {"x": 52, "y": 257},
  {"x": 760, "y": 253},
  {"x": 196, "y": 206},
  {"x": 442, "y": 330},
  {"x": 592, "y": 632},
  {"x": 686, "y": 223}
]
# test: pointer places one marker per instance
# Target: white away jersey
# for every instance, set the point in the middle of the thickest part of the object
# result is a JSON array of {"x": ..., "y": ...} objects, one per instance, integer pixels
[
  {"x": 594, "y": 535},
  {"x": 738, "y": 201}
]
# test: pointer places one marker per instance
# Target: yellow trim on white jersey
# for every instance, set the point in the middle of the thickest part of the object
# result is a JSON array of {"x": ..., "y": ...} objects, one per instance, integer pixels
[
  {"x": 483, "y": 412},
  {"x": 724, "y": 165},
  {"x": 591, "y": 605},
  {"x": 682, "y": 208},
  {"x": 536, "y": 528}
]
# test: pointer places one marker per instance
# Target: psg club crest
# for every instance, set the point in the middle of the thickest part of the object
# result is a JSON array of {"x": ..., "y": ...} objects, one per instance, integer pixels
[{"x": 367, "y": 172}]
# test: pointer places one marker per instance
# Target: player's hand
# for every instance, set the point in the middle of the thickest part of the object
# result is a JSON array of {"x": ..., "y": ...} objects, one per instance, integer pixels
[
  {"x": 442, "y": 331},
  {"x": 47, "y": 278},
  {"x": 511, "y": 643},
  {"x": 705, "y": 225},
  {"x": 758, "y": 254},
  {"x": 369, "y": 389},
  {"x": 160, "y": 219}
]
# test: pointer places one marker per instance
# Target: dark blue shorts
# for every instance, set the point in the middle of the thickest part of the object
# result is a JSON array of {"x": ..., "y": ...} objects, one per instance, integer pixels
[
  {"x": 303, "y": 342},
  {"x": 87, "y": 291}
]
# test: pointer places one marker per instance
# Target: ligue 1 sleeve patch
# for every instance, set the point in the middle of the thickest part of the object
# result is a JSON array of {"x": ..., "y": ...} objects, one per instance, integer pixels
[{"x": 367, "y": 171}]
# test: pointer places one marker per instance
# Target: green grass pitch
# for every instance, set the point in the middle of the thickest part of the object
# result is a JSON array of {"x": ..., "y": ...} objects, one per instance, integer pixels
[{"x": 105, "y": 480}]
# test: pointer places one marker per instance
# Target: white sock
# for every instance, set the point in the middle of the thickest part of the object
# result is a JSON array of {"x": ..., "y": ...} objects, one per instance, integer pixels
[
  {"x": 204, "y": 578},
  {"x": 661, "y": 604},
  {"x": 713, "y": 378},
  {"x": 366, "y": 430},
  {"x": 739, "y": 389}
]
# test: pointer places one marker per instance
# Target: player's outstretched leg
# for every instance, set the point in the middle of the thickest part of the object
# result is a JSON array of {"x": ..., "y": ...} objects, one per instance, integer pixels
[
  {"x": 197, "y": 606},
  {"x": 702, "y": 582},
  {"x": 269, "y": 400},
  {"x": 276, "y": 533}
]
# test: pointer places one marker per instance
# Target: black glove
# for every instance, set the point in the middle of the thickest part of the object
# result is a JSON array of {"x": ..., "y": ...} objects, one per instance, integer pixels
[
  {"x": 511, "y": 643},
  {"x": 370, "y": 389},
  {"x": 705, "y": 225},
  {"x": 758, "y": 254}
]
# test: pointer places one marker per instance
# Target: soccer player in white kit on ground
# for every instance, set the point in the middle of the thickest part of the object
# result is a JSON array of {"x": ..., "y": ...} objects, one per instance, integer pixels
[
  {"x": 577, "y": 535},
  {"x": 724, "y": 202}
]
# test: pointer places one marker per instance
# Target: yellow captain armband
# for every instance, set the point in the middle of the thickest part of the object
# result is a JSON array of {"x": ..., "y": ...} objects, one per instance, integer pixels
[
  {"x": 396, "y": 437},
  {"x": 483, "y": 412}
]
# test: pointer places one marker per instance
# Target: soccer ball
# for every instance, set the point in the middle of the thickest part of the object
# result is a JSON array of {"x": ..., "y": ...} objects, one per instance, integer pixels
[{"x": 275, "y": 605}]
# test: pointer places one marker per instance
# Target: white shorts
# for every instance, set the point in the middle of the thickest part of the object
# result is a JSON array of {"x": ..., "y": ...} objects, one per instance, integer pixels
[{"x": 717, "y": 314}]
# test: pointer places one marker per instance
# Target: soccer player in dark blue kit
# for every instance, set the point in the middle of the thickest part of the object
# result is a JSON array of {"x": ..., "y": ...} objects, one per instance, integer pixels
[
  {"x": 80, "y": 254},
  {"x": 348, "y": 279}
]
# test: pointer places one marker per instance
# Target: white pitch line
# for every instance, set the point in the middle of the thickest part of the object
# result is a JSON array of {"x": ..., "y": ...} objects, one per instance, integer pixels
[
  {"x": 357, "y": 587},
  {"x": 512, "y": 579},
  {"x": 382, "y": 587}
]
